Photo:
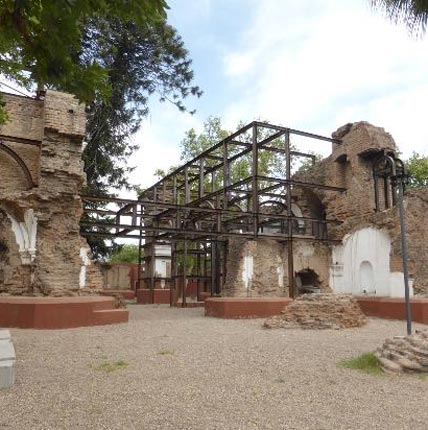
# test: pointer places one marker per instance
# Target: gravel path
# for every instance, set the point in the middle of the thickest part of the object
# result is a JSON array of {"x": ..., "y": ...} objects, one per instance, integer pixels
[{"x": 187, "y": 371}]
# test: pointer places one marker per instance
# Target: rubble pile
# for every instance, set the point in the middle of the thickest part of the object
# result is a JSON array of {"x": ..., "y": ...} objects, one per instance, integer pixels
[
  {"x": 405, "y": 354},
  {"x": 319, "y": 311}
]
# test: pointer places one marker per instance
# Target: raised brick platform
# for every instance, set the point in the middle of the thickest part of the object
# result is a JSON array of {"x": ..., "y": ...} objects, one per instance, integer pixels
[
  {"x": 157, "y": 296},
  {"x": 123, "y": 294},
  {"x": 394, "y": 308},
  {"x": 59, "y": 312},
  {"x": 245, "y": 307}
]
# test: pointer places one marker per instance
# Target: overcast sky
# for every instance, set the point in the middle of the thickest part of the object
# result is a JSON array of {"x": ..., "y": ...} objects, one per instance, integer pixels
[{"x": 313, "y": 65}]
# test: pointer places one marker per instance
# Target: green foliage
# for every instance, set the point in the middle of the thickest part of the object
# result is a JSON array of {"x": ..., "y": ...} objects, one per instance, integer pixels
[
  {"x": 3, "y": 113},
  {"x": 417, "y": 167},
  {"x": 414, "y": 13},
  {"x": 41, "y": 40},
  {"x": 142, "y": 61},
  {"x": 270, "y": 163},
  {"x": 125, "y": 254},
  {"x": 111, "y": 366},
  {"x": 166, "y": 352},
  {"x": 111, "y": 54},
  {"x": 367, "y": 363}
]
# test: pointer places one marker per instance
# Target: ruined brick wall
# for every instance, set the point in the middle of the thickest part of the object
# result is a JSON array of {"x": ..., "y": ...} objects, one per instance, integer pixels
[
  {"x": 266, "y": 272},
  {"x": 41, "y": 221},
  {"x": 350, "y": 166}
]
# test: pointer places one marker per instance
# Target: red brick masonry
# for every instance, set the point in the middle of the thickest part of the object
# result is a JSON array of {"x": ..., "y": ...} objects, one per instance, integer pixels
[
  {"x": 392, "y": 308},
  {"x": 123, "y": 294},
  {"x": 262, "y": 307},
  {"x": 157, "y": 296},
  {"x": 61, "y": 312},
  {"x": 245, "y": 307}
]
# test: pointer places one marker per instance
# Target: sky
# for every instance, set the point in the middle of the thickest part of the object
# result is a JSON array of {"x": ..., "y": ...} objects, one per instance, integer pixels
[{"x": 312, "y": 65}]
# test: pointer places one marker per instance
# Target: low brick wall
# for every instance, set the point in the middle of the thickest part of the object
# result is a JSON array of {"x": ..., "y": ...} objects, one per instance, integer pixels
[
  {"x": 145, "y": 296},
  {"x": 123, "y": 294},
  {"x": 245, "y": 307},
  {"x": 394, "y": 308},
  {"x": 59, "y": 313}
]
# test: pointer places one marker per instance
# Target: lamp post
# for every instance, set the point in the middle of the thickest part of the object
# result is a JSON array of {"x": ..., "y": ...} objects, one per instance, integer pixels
[{"x": 389, "y": 166}]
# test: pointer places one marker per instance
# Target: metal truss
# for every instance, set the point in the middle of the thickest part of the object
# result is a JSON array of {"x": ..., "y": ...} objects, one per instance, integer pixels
[{"x": 223, "y": 193}]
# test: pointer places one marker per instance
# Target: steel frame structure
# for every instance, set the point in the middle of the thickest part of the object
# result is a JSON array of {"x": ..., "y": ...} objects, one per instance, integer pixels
[{"x": 199, "y": 206}]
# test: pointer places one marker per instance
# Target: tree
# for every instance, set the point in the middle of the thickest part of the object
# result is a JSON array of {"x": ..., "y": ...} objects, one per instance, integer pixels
[
  {"x": 125, "y": 254},
  {"x": 40, "y": 41},
  {"x": 141, "y": 61},
  {"x": 270, "y": 163},
  {"x": 113, "y": 55},
  {"x": 414, "y": 13},
  {"x": 417, "y": 167}
]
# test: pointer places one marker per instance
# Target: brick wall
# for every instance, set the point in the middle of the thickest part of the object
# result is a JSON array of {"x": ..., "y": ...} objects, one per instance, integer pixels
[
  {"x": 349, "y": 166},
  {"x": 48, "y": 136}
]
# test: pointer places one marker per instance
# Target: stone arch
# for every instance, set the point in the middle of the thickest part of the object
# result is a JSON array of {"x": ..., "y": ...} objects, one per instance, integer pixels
[{"x": 22, "y": 181}]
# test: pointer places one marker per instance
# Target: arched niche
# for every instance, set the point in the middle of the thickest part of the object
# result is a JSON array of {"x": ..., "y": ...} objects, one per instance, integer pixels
[{"x": 15, "y": 174}]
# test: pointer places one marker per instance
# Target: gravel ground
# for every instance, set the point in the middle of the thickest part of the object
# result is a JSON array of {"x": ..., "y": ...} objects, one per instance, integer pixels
[{"x": 187, "y": 371}]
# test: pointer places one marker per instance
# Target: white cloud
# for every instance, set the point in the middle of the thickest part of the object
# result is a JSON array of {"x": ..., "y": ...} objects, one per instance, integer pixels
[
  {"x": 308, "y": 64},
  {"x": 317, "y": 60},
  {"x": 158, "y": 140}
]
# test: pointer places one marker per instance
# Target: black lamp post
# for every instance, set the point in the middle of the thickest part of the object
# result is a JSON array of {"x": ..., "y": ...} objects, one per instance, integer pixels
[{"x": 389, "y": 166}]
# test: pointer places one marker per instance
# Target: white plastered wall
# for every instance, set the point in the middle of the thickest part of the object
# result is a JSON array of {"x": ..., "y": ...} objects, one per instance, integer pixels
[
  {"x": 361, "y": 265},
  {"x": 25, "y": 235}
]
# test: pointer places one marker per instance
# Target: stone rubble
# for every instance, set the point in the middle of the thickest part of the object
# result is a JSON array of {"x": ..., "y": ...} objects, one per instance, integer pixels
[
  {"x": 405, "y": 354},
  {"x": 319, "y": 311}
]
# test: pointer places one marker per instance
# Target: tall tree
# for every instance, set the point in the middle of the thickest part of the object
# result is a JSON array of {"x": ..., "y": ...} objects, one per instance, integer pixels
[
  {"x": 414, "y": 13},
  {"x": 40, "y": 40},
  {"x": 142, "y": 61},
  {"x": 113, "y": 55},
  {"x": 417, "y": 167}
]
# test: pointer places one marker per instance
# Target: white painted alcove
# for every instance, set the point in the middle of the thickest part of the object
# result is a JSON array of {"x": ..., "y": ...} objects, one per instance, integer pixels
[{"x": 361, "y": 265}]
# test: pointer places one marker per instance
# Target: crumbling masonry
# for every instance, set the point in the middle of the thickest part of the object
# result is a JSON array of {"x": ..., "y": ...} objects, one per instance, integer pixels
[
  {"x": 41, "y": 250},
  {"x": 331, "y": 226},
  {"x": 328, "y": 227}
]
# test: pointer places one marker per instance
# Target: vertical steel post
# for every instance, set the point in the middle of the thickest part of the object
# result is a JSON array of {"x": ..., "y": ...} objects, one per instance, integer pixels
[
  {"x": 186, "y": 186},
  {"x": 201, "y": 177},
  {"x": 173, "y": 285},
  {"x": 184, "y": 304},
  {"x": 140, "y": 244},
  {"x": 404, "y": 255},
  {"x": 226, "y": 175},
  {"x": 152, "y": 270},
  {"x": 254, "y": 182},
  {"x": 290, "y": 259},
  {"x": 174, "y": 189},
  {"x": 213, "y": 270}
]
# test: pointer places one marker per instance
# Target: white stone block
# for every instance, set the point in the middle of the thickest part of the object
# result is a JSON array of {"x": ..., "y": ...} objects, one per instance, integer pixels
[
  {"x": 7, "y": 360},
  {"x": 4, "y": 334},
  {"x": 7, "y": 373},
  {"x": 7, "y": 351}
]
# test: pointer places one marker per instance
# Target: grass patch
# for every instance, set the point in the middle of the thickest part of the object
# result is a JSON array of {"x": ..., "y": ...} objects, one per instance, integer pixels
[
  {"x": 111, "y": 366},
  {"x": 166, "y": 352},
  {"x": 367, "y": 363}
]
